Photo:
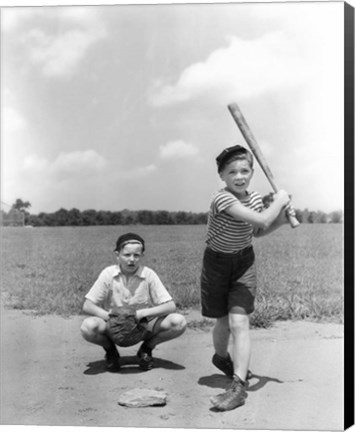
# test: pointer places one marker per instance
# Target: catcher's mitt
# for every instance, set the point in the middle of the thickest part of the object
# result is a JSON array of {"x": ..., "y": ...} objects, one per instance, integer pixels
[{"x": 124, "y": 329}]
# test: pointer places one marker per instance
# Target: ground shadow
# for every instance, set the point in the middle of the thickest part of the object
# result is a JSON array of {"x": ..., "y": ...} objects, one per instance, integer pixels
[
  {"x": 223, "y": 382},
  {"x": 215, "y": 381},
  {"x": 261, "y": 382},
  {"x": 129, "y": 365}
]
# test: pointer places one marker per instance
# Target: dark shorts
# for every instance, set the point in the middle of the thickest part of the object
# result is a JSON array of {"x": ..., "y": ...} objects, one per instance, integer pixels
[
  {"x": 228, "y": 283},
  {"x": 153, "y": 326}
]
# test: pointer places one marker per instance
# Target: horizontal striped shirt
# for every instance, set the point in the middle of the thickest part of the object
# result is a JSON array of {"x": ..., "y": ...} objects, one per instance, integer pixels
[{"x": 224, "y": 232}]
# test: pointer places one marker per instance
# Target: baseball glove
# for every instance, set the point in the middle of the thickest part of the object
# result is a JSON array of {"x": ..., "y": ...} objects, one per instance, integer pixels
[{"x": 124, "y": 329}]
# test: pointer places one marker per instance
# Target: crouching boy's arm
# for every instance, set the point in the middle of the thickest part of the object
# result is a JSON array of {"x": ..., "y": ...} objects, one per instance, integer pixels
[
  {"x": 91, "y": 308},
  {"x": 159, "y": 310}
]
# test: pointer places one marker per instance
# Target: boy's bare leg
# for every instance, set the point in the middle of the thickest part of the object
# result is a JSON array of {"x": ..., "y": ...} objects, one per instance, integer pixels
[
  {"x": 235, "y": 396},
  {"x": 170, "y": 327},
  {"x": 241, "y": 348},
  {"x": 93, "y": 329},
  {"x": 220, "y": 336}
]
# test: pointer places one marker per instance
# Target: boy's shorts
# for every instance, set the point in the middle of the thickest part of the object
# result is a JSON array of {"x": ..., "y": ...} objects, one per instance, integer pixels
[
  {"x": 153, "y": 325},
  {"x": 228, "y": 282}
]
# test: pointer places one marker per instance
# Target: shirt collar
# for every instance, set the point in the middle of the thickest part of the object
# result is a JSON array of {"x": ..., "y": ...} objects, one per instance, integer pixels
[
  {"x": 247, "y": 193},
  {"x": 141, "y": 271}
]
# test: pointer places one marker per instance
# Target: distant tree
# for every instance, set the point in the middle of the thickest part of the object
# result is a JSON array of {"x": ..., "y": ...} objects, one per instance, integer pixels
[
  {"x": 336, "y": 216},
  {"x": 34, "y": 220},
  {"x": 201, "y": 218},
  {"x": 74, "y": 217},
  {"x": 311, "y": 217},
  {"x": 129, "y": 217},
  {"x": 162, "y": 217},
  {"x": 61, "y": 217},
  {"x": 321, "y": 217},
  {"x": 89, "y": 217},
  {"x": 116, "y": 218},
  {"x": 181, "y": 217},
  {"x": 46, "y": 219},
  {"x": 145, "y": 217},
  {"x": 21, "y": 205},
  {"x": 299, "y": 215},
  {"x": 305, "y": 214},
  {"x": 101, "y": 218}
]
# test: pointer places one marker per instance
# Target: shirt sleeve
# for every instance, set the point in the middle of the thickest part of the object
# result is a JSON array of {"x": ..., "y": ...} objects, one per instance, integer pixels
[
  {"x": 223, "y": 200},
  {"x": 158, "y": 293},
  {"x": 259, "y": 205},
  {"x": 99, "y": 292}
]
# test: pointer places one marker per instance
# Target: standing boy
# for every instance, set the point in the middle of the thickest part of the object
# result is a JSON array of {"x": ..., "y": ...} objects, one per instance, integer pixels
[
  {"x": 228, "y": 278},
  {"x": 129, "y": 284}
]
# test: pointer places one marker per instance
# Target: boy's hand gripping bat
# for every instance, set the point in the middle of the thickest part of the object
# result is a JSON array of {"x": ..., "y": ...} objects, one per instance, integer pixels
[{"x": 254, "y": 147}]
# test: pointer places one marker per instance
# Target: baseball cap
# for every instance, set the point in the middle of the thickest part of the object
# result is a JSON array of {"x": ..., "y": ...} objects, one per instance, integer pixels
[
  {"x": 227, "y": 153},
  {"x": 129, "y": 238}
]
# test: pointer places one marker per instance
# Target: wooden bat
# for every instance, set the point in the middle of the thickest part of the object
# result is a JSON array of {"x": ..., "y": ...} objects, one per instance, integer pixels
[{"x": 254, "y": 147}]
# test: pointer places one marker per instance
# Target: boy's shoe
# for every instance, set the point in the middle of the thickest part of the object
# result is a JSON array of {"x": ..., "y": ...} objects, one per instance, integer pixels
[
  {"x": 112, "y": 358},
  {"x": 145, "y": 357},
  {"x": 234, "y": 397},
  {"x": 225, "y": 364}
]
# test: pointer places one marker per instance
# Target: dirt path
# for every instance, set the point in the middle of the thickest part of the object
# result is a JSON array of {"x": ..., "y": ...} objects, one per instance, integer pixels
[{"x": 51, "y": 376}]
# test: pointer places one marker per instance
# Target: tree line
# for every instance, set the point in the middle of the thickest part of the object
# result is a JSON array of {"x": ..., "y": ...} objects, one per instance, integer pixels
[{"x": 76, "y": 217}]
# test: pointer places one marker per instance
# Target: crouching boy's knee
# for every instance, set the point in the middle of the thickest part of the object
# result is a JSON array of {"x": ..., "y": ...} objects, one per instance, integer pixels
[
  {"x": 91, "y": 327},
  {"x": 178, "y": 323}
]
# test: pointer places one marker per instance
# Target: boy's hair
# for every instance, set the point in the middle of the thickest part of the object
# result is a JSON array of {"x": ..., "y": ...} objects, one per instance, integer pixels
[
  {"x": 231, "y": 154},
  {"x": 129, "y": 238}
]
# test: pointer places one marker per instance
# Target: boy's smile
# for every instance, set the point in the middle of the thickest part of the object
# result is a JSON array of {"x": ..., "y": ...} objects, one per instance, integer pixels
[{"x": 237, "y": 175}]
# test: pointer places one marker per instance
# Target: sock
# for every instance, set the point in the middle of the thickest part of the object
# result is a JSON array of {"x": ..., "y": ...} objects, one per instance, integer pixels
[{"x": 238, "y": 379}]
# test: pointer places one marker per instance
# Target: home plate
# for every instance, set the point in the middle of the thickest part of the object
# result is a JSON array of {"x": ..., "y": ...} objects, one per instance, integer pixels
[{"x": 139, "y": 397}]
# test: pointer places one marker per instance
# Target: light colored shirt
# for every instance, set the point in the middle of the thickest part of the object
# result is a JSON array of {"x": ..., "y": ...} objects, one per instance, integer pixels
[
  {"x": 224, "y": 232},
  {"x": 144, "y": 289}
]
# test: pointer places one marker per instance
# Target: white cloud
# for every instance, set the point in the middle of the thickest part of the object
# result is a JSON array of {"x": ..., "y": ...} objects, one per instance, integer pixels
[
  {"x": 60, "y": 55},
  {"x": 58, "y": 48},
  {"x": 178, "y": 148},
  {"x": 12, "y": 120},
  {"x": 13, "y": 17},
  {"x": 245, "y": 68},
  {"x": 72, "y": 163},
  {"x": 79, "y": 160},
  {"x": 34, "y": 163}
]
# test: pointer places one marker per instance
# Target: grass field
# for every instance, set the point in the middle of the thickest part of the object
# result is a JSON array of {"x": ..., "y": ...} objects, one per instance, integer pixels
[{"x": 49, "y": 270}]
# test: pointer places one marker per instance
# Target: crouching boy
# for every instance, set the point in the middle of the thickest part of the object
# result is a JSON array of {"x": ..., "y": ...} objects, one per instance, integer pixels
[{"x": 130, "y": 284}]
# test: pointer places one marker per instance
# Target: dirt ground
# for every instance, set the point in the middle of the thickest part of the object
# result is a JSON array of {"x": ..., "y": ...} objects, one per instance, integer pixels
[{"x": 51, "y": 376}]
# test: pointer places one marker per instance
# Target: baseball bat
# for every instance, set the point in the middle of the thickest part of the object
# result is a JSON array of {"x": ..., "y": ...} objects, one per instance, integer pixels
[{"x": 254, "y": 147}]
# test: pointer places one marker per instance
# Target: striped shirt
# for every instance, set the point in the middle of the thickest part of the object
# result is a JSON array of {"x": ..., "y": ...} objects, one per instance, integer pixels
[{"x": 224, "y": 232}]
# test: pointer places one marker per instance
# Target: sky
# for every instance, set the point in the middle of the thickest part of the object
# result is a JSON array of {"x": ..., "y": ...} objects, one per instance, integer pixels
[{"x": 118, "y": 107}]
